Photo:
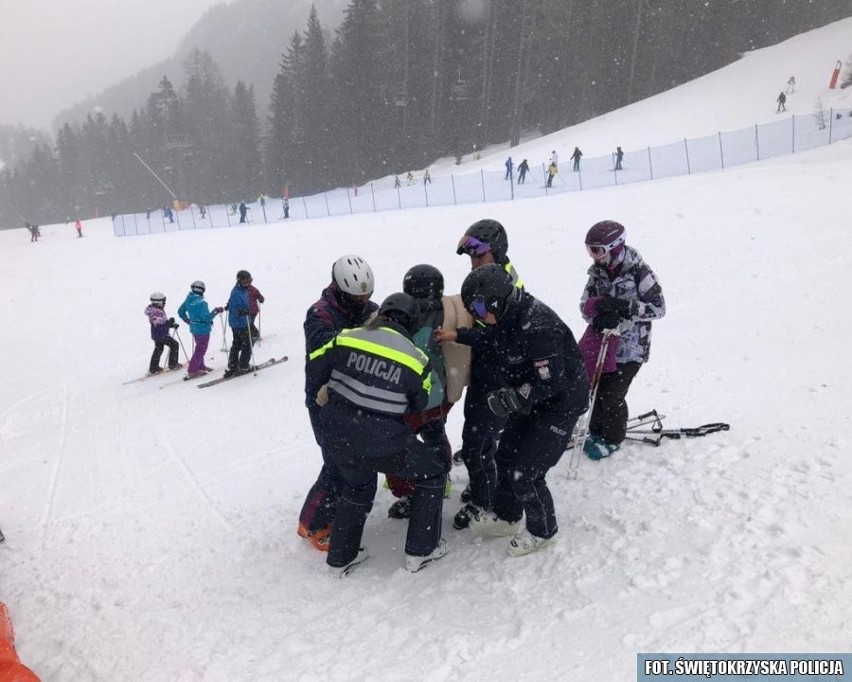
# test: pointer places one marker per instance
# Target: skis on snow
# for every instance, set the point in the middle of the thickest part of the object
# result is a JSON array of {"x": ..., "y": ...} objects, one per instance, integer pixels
[
  {"x": 254, "y": 370},
  {"x": 151, "y": 376}
]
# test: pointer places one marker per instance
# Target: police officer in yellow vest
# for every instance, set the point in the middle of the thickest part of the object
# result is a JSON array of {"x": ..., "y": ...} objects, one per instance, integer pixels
[{"x": 375, "y": 375}]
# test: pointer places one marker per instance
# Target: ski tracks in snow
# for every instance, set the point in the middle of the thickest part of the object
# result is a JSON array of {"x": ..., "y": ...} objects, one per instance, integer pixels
[{"x": 193, "y": 481}]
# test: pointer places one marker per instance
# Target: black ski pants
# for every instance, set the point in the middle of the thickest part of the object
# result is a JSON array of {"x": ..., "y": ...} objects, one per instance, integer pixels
[
  {"x": 609, "y": 416},
  {"x": 363, "y": 444},
  {"x": 240, "y": 355},
  {"x": 479, "y": 444},
  {"x": 530, "y": 446},
  {"x": 318, "y": 509},
  {"x": 159, "y": 346}
]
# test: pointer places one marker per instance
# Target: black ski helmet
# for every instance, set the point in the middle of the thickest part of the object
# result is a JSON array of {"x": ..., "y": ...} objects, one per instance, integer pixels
[
  {"x": 490, "y": 232},
  {"x": 244, "y": 276},
  {"x": 423, "y": 281},
  {"x": 605, "y": 240},
  {"x": 489, "y": 289},
  {"x": 402, "y": 309}
]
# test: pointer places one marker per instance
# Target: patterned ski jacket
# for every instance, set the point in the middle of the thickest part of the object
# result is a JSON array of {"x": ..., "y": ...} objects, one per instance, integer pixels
[
  {"x": 159, "y": 322},
  {"x": 634, "y": 281}
]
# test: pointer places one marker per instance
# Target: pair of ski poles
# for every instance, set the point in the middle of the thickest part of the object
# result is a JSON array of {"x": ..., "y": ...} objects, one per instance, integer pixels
[{"x": 582, "y": 429}]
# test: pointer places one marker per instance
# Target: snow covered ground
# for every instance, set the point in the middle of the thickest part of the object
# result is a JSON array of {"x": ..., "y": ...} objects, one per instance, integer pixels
[{"x": 151, "y": 527}]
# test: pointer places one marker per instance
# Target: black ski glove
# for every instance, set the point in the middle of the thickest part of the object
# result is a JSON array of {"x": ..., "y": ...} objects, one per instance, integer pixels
[
  {"x": 618, "y": 306},
  {"x": 505, "y": 401},
  {"x": 603, "y": 321},
  {"x": 171, "y": 321}
]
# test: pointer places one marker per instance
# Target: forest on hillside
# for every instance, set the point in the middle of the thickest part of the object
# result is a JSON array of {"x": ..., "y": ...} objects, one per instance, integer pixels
[{"x": 398, "y": 84}]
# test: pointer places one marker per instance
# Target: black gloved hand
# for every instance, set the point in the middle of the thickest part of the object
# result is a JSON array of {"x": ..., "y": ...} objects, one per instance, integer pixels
[
  {"x": 619, "y": 306},
  {"x": 243, "y": 312},
  {"x": 174, "y": 325},
  {"x": 171, "y": 321},
  {"x": 505, "y": 401},
  {"x": 603, "y": 321}
]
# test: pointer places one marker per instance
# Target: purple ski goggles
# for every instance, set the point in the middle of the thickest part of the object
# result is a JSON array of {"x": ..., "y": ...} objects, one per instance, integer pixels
[
  {"x": 479, "y": 307},
  {"x": 472, "y": 246}
]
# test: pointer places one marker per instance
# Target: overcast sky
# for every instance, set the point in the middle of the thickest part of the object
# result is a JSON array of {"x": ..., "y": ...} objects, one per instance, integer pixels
[{"x": 54, "y": 53}]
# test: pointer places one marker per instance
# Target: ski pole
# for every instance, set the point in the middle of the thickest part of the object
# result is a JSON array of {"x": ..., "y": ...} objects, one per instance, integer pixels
[
  {"x": 180, "y": 341},
  {"x": 251, "y": 344},
  {"x": 224, "y": 337},
  {"x": 583, "y": 427}
]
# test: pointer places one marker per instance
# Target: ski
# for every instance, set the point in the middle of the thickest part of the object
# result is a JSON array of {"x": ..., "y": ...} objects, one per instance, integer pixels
[
  {"x": 269, "y": 363},
  {"x": 151, "y": 376}
]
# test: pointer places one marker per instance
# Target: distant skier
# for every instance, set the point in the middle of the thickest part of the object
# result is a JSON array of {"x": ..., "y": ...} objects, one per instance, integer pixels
[
  {"x": 33, "y": 232},
  {"x": 619, "y": 155},
  {"x": 554, "y": 158},
  {"x": 427, "y": 178},
  {"x": 791, "y": 85},
  {"x": 79, "y": 227},
  {"x": 576, "y": 156},
  {"x": 551, "y": 173},
  {"x": 523, "y": 169},
  {"x": 396, "y": 183},
  {"x": 782, "y": 102},
  {"x": 160, "y": 325},
  {"x": 243, "y": 212},
  {"x": 167, "y": 213},
  {"x": 286, "y": 207},
  {"x": 509, "y": 165}
]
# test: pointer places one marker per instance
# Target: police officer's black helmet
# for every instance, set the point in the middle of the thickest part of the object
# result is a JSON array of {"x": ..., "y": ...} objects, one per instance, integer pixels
[
  {"x": 402, "y": 309},
  {"x": 423, "y": 281},
  {"x": 489, "y": 232},
  {"x": 489, "y": 289}
]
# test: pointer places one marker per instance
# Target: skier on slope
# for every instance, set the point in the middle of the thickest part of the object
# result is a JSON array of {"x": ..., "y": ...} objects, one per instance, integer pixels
[
  {"x": 344, "y": 304},
  {"x": 238, "y": 320},
  {"x": 375, "y": 375},
  {"x": 544, "y": 390},
  {"x": 486, "y": 243},
  {"x": 450, "y": 370},
  {"x": 195, "y": 312},
  {"x": 160, "y": 325},
  {"x": 255, "y": 299},
  {"x": 622, "y": 294}
]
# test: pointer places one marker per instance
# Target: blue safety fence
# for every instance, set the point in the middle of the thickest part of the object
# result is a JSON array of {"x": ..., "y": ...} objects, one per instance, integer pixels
[{"x": 696, "y": 155}]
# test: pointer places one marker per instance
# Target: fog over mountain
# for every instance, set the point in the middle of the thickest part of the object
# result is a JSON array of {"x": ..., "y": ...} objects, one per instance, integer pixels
[{"x": 246, "y": 39}]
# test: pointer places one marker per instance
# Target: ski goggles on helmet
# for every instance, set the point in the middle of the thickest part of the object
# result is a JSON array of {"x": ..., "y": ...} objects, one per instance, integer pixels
[
  {"x": 598, "y": 251},
  {"x": 472, "y": 246},
  {"x": 479, "y": 307}
]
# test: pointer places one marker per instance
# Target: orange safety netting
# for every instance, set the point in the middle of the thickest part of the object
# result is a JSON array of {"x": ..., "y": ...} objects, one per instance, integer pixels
[{"x": 11, "y": 668}]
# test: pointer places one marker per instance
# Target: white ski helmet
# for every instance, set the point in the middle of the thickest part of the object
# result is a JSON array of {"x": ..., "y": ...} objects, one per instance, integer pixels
[
  {"x": 198, "y": 287},
  {"x": 353, "y": 275},
  {"x": 158, "y": 298}
]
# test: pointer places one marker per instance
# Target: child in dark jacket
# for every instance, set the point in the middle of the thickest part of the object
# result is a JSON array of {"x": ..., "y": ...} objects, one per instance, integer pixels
[{"x": 160, "y": 325}]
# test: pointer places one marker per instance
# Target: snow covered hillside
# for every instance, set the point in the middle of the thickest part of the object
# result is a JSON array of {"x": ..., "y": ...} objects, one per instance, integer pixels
[{"x": 151, "y": 527}]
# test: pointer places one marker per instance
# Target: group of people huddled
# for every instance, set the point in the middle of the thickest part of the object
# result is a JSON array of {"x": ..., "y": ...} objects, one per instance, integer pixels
[
  {"x": 243, "y": 307},
  {"x": 381, "y": 380}
]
